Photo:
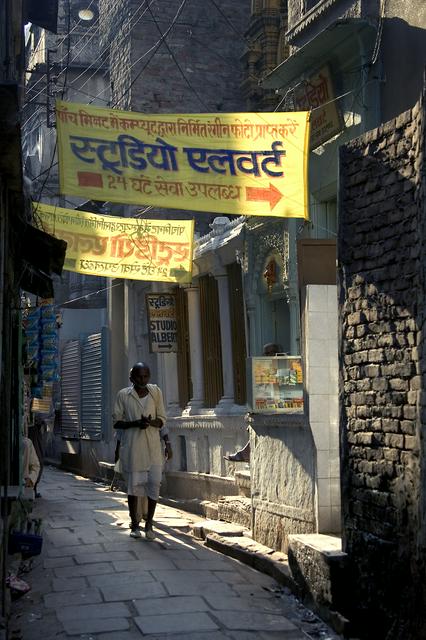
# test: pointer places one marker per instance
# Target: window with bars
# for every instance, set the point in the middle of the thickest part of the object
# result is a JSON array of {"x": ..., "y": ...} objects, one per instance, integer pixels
[
  {"x": 212, "y": 353},
  {"x": 238, "y": 334}
]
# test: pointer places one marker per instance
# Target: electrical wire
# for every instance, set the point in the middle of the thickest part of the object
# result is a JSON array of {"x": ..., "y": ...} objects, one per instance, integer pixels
[
  {"x": 130, "y": 27},
  {"x": 194, "y": 91},
  {"x": 378, "y": 42},
  {"x": 127, "y": 29},
  {"x": 77, "y": 54},
  {"x": 233, "y": 27},
  {"x": 63, "y": 40},
  {"x": 155, "y": 47},
  {"x": 94, "y": 293}
]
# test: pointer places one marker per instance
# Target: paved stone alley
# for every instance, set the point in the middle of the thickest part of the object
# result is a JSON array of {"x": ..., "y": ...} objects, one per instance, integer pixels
[{"x": 92, "y": 581}]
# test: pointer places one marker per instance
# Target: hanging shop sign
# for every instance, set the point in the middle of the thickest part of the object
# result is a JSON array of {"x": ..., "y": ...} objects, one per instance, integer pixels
[
  {"x": 137, "y": 249},
  {"x": 236, "y": 163},
  {"x": 162, "y": 322},
  {"x": 317, "y": 94}
]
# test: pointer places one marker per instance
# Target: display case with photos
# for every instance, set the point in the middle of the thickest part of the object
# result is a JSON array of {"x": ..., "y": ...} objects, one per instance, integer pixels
[{"x": 276, "y": 384}]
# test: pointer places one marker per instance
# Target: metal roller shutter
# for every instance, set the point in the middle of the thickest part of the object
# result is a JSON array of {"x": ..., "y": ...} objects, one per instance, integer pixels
[
  {"x": 70, "y": 388},
  {"x": 91, "y": 387}
]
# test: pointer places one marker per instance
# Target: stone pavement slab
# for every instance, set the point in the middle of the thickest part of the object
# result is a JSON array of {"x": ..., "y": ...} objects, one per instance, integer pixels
[
  {"x": 254, "y": 621},
  {"x": 83, "y": 570},
  {"x": 95, "y": 625},
  {"x": 55, "y": 552},
  {"x": 68, "y": 584},
  {"x": 178, "y": 588},
  {"x": 106, "y": 556},
  {"x": 235, "y": 603},
  {"x": 120, "y": 579},
  {"x": 145, "y": 562},
  {"x": 66, "y": 598},
  {"x": 91, "y": 611},
  {"x": 171, "y": 605},
  {"x": 176, "y": 623},
  {"x": 133, "y": 590},
  {"x": 118, "y": 588}
]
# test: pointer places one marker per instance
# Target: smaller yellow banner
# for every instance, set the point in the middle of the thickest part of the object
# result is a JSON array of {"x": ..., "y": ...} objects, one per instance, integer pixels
[{"x": 155, "y": 250}]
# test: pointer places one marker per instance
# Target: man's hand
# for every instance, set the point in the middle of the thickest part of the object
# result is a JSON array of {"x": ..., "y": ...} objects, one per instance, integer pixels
[
  {"x": 143, "y": 423},
  {"x": 168, "y": 451},
  {"x": 154, "y": 422}
]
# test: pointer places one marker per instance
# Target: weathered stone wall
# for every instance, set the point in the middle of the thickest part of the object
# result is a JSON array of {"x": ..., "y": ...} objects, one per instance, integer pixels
[
  {"x": 382, "y": 290},
  {"x": 206, "y": 45},
  {"x": 282, "y": 465}
]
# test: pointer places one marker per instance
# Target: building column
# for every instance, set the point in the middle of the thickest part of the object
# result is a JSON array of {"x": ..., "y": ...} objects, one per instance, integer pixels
[
  {"x": 195, "y": 351},
  {"x": 293, "y": 296},
  {"x": 293, "y": 303},
  {"x": 168, "y": 374},
  {"x": 227, "y": 402}
]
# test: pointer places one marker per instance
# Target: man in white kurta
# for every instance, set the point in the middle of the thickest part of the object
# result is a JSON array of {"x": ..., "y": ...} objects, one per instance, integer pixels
[{"x": 140, "y": 416}]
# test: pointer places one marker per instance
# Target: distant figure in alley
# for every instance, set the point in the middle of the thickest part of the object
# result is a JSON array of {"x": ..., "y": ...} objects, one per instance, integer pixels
[{"x": 140, "y": 416}]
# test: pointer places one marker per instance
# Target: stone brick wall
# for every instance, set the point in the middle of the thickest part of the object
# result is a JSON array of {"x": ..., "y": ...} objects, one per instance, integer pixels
[
  {"x": 382, "y": 289},
  {"x": 207, "y": 44}
]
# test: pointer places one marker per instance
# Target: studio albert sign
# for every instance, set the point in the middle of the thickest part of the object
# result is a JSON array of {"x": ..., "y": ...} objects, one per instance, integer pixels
[
  {"x": 232, "y": 163},
  {"x": 162, "y": 322}
]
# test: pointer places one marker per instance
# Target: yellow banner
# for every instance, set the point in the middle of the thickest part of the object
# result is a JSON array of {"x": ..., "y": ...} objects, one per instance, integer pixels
[
  {"x": 159, "y": 250},
  {"x": 238, "y": 163}
]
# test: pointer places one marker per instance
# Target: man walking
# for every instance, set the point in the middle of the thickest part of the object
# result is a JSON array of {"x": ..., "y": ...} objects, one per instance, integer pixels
[{"x": 140, "y": 415}]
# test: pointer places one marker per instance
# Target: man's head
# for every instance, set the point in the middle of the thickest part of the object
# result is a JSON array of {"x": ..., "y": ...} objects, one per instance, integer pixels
[
  {"x": 271, "y": 349},
  {"x": 139, "y": 375}
]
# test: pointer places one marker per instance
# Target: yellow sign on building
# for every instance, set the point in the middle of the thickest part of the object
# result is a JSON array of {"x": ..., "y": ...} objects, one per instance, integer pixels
[
  {"x": 236, "y": 163},
  {"x": 158, "y": 250}
]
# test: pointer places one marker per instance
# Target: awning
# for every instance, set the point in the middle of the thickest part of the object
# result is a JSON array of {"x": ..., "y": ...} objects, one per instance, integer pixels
[
  {"x": 40, "y": 255},
  {"x": 43, "y": 13},
  {"x": 42, "y": 250},
  {"x": 337, "y": 40}
]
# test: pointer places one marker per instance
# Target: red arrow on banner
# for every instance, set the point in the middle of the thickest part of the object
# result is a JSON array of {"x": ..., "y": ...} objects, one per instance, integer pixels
[{"x": 271, "y": 195}]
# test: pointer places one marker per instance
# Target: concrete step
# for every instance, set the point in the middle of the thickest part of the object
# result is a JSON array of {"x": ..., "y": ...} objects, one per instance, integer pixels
[
  {"x": 203, "y": 528},
  {"x": 243, "y": 482}
]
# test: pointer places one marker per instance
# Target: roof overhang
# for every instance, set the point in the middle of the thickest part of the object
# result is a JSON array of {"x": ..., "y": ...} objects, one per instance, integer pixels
[{"x": 336, "y": 40}]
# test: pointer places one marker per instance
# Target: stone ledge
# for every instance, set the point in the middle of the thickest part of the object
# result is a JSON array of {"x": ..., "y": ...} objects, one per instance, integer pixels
[
  {"x": 277, "y": 565},
  {"x": 236, "y": 509},
  {"x": 204, "y": 528},
  {"x": 255, "y": 555}
]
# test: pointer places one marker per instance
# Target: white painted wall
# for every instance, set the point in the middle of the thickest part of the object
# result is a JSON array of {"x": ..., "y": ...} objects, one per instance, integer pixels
[{"x": 322, "y": 395}]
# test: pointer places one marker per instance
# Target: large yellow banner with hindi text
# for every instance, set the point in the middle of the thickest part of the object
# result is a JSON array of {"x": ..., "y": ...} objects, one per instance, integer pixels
[
  {"x": 236, "y": 163},
  {"x": 158, "y": 250}
]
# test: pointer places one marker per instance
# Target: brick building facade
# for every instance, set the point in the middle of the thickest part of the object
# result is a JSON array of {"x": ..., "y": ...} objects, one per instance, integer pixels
[{"x": 382, "y": 284}]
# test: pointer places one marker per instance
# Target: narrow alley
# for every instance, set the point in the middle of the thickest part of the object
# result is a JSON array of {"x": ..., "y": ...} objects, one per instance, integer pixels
[{"x": 93, "y": 581}]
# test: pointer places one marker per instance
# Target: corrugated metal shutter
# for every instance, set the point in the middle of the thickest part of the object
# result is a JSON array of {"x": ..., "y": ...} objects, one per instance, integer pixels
[
  {"x": 70, "y": 389},
  {"x": 236, "y": 307},
  {"x": 91, "y": 387},
  {"x": 212, "y": 350},
  {"x": 183, "y": 359}
]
